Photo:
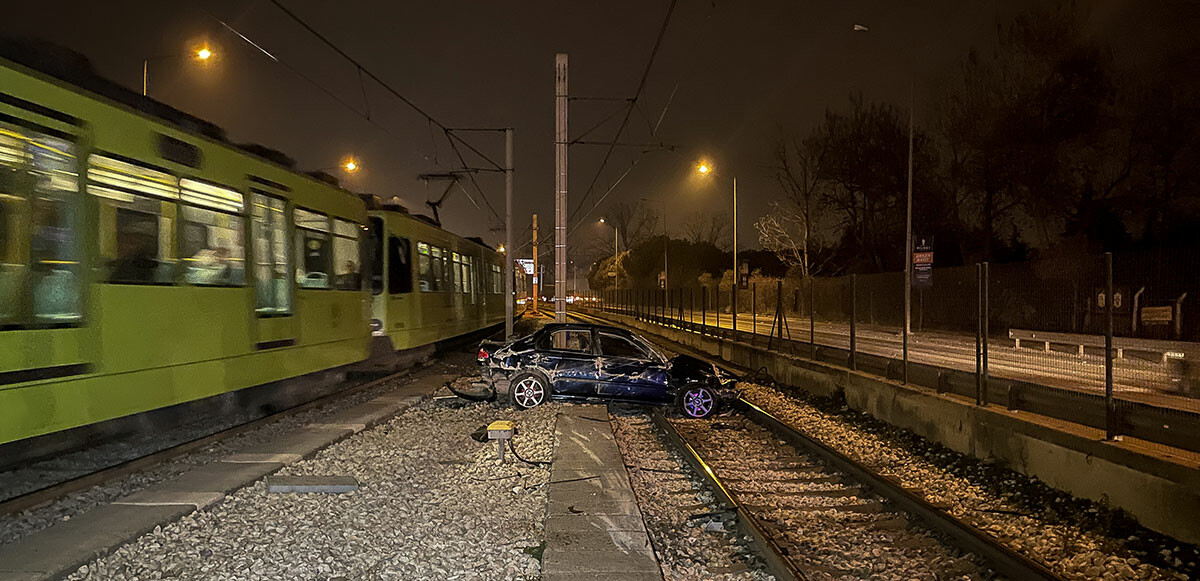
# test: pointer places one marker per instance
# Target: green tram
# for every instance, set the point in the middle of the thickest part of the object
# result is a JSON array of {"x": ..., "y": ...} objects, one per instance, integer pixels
[
  {"x": 453, "y": 287},
  {"x": 146, "y": 262}
]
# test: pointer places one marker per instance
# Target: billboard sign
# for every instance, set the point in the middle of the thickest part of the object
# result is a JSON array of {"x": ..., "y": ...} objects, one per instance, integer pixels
[
  {"x": 922, "y": 267},
  {"x": 526, "y": 264}
]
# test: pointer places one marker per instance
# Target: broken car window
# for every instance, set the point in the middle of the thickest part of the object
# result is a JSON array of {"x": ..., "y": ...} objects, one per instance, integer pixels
[{"x": 616, "y": 346}]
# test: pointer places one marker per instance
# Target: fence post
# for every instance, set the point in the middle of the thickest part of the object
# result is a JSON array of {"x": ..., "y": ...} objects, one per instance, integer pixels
[
  {"x": 703, "y": 309},
  {"x": 732, "y": 305},
  {"x": 987, "y": 314},
  {"x": 904, "y": 331},
  {"x": 1110, "y": 409},
  {"x": 679, "y": 307},
  {"x": 853, "y": 318},
  {"x": 979, "y": 333},
  {"x": 812, "y": 317},
  {"x": 754, "y": 309},
  {"x": 691, "y": 307}
]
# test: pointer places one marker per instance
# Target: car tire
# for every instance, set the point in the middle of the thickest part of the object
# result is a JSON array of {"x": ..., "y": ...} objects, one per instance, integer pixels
[
  {"x": 528, "y": 389},
  {"x": 697, "y": 401}
]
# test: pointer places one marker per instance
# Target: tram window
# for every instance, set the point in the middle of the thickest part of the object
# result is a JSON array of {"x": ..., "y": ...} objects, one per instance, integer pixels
[
  {"x": 137, "y": 220},
  {"x": 211, "y": 244},
  {"x": 13, "y": 261},
  {"x": 377, "y": 237},
  {"x": 424, "y": 267},
  {"x": 497, "y": 280},
  {"x": 439, "y": 268},
  {"x": 268, "y": 229},
  {"x": 312, "y": 249},
  {"x": 346, "y": 256},
  {"x": 399, "y": 266},
  {"x": 456, "y": 271},
  {"x": 39, "y": 210}
]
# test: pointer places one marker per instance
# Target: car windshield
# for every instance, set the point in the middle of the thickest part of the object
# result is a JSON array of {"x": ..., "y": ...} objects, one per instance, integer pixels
[{"x": 654, "y": 351}]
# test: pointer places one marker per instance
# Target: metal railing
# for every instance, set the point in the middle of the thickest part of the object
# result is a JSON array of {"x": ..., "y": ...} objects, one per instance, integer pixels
[{"x": 966, "y": 337}]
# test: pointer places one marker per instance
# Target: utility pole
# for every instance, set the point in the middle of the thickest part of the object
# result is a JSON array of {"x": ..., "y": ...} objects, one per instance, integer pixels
[
  {"x": 908, "y": 246},
  {"x": 560, "y": 186},
  {"x": 733, "y": 288},
  {"x": 509, "y": 297},
  {"x": 536, "y": 272}
]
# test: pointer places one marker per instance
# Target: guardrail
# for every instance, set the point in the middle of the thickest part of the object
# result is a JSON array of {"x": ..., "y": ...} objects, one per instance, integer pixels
[{"x": 1158, "y": 349}]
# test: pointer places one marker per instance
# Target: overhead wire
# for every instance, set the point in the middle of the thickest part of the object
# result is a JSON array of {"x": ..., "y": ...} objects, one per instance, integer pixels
[{"x": 629, "y": 112}]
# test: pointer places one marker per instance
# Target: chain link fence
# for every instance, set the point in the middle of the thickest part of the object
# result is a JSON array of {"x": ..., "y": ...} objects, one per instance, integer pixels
[{"x": 1108, "y": 342}]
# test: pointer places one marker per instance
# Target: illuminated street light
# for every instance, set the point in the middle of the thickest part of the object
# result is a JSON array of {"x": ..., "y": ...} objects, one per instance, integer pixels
[
  {"x": 350, "y": 166},
  {"x": 705, "y": 169},
  {"x": 601, "y": 220},
  {"x": 500, "y": 249},
  {"x": 203, "y": 53}
]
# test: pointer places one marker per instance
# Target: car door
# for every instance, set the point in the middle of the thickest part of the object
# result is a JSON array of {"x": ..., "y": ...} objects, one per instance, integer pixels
[
  {"x": 569, "y": 358},
  {"x": 629, "y": 371}
]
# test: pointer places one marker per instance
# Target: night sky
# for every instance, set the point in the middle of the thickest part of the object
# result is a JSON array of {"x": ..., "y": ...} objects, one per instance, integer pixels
[{"x": 740, "y": 71}]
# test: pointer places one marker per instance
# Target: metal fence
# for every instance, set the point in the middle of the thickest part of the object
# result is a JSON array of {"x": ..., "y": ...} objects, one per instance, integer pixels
[{"x": 1103, "y": 342}]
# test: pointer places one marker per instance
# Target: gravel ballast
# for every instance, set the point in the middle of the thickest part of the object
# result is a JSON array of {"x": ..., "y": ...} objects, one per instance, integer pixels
[
  {"x": 15, "y": 526},
  {"x": 433, "y": 504},
  {"x": 668, "y": 494},
  {"x": 1077, "y": 539}
]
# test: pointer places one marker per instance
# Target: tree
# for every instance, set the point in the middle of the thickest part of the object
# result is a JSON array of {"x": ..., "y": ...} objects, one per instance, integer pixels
[
  {"x": 784, "y": 231},
  {"x": 796, "y": 167},
  {"x": 635, "y": 223},
  {"x": 707, "y": 228}
]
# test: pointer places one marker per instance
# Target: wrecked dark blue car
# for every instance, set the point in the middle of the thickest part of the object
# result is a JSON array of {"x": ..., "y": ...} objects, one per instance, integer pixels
[{"x": 596, "y": 362}]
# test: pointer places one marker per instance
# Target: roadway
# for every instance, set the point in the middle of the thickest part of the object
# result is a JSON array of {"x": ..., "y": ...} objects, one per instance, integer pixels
[{"x": 1136, "y": 380}]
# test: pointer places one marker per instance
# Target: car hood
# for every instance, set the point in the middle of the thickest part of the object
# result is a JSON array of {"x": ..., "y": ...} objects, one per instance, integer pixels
[{"x": 688, "y": 368}]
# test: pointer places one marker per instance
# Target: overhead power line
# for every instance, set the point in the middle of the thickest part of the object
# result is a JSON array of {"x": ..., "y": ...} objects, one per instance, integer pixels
[{"x": 662, "y": 31}]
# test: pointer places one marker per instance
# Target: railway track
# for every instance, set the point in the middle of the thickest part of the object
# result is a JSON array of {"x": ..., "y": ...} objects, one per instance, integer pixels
[
  {"x": 817, "y": 514},
  {"x": 42, "y": 496}
]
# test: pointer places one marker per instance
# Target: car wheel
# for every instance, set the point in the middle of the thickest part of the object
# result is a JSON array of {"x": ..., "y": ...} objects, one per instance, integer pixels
[
  {"x": 528, "y": 390},
  {"x": 697, "y": 401}
]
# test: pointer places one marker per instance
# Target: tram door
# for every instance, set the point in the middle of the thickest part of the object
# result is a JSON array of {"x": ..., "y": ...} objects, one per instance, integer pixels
[
  {"x": 399, "y": 286},
  {"x": 271, "y": 256}
]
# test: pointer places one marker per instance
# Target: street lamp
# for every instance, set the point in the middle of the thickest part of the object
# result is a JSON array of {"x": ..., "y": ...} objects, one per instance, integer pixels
[
  {"x": 908, "y": 245},
  {"x": 666, "y": 240},
  {"x": 704, "y": 169},
  {"x": 202, "y": 54}
]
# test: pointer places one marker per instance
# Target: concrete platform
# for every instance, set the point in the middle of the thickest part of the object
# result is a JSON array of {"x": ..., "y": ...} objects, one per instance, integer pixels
[
  {"x": 59, "y": 550},
  {"x": 594, "y": 529}
]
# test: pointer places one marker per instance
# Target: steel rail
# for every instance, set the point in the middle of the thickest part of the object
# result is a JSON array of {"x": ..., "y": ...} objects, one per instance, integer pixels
[
  {"x": 965, "y": 536},
  {"x": 999, "y": 556},
  {"x": 777, "y": 563}
]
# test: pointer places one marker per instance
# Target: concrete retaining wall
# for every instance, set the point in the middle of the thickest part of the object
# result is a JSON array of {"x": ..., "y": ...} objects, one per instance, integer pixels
[{"x": 1159, "y": 489}]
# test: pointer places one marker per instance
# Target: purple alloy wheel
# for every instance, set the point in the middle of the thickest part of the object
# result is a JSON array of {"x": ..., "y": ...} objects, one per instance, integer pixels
[{"x": 697, "y": 402}]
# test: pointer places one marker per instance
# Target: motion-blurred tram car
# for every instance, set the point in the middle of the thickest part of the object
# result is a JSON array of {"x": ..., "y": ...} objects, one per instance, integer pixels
[
  {"x": 145, "y": 261},
  {"x": 430, "y": 284}
]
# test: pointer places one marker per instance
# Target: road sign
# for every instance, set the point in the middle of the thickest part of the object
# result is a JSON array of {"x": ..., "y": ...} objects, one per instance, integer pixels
[
  {"x": 526, "y": 264},
  {"x": 1120, "y": 300},
  {"x": 1157, "y": 315},
  {"x": 922, "y": 267}
]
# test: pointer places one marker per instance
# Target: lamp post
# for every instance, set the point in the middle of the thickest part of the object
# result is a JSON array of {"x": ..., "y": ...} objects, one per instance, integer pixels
[
  {"x": 908, "y": 247},
  {"x": 705, "y": 169},
  {"x": 201, "y": 54},
  {"x": 666, "y": 242},
  {"x": 616, "y": 237}
]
